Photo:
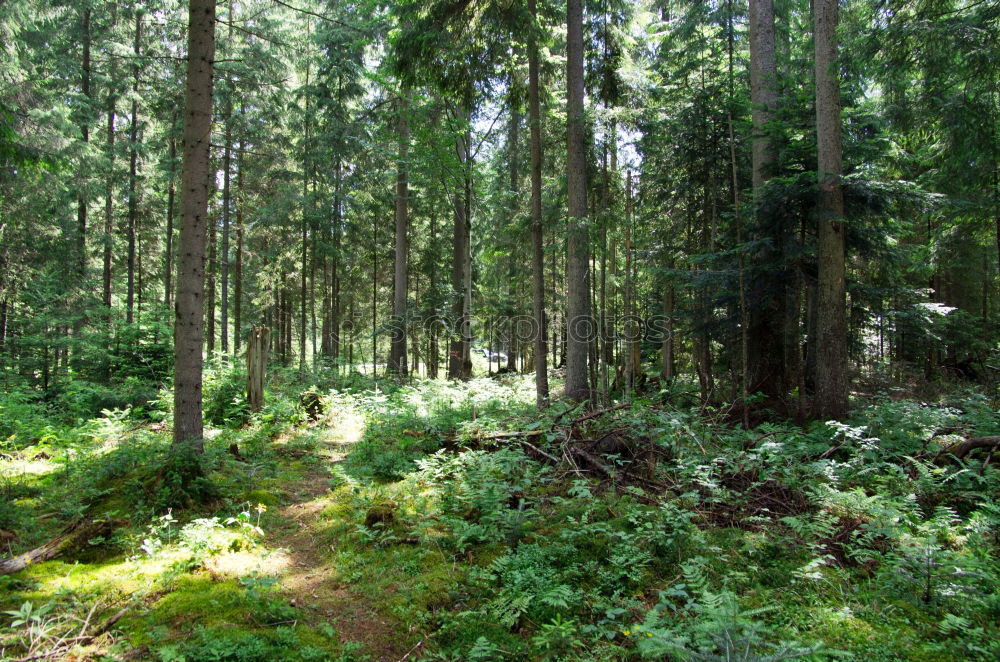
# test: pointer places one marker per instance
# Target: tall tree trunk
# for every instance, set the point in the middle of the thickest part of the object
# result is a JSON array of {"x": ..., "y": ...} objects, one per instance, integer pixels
[
  {"x": 188, "y": 330},
  {"x": 537, "y": 247},
  {"x": 238, "y": 270},
  {"x": 667, "y": 369},
  {"x": 226, "y": 200},
  {"x": 306, "y": 214},
  {"x": 512, "y": 163},
  {"x": 831, "y": 326},
  {"x": 765, "y": 333},
  {"x": 738, "y": 218},
  {"x": 335, "y": 306},
  {"x": 460, "y": 352},
  {"x": 763, "y": 89},
  {"x": 168, "y": 248},
  {"x": 133, "y": 202},
  {"x": 213, "y": 269},
  {"x": 577, "y": 266},
  {"x": 3, "y": 325},
  {"x": 81, "y": 213},
  {"x": 397, "y": 350},
  {"x": 109, "y": 213},
  {"x": 374, "y": 295}
]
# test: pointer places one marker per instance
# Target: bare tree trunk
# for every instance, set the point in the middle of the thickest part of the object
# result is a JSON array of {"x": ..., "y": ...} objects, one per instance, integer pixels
[
  {"x": 631, "y": 364},
  {"x": 306, "y": 215},
  {"x": 512, "y": 154},
  {"x": 397, "y": 349},
  {"x": 579, "y": 325},
  {"x": 763, "y": 89},
  {"x": 227, "y": 161},
  {"x": 133, "y": 202},
  {"x": 188, "y": 330},
  {"x": 81, "y": 214},
  {"x": 212, "y": 270},
  {"x": 109, "y": 215},
  {"x": 667, "y": 370},
  {"x": 335, "y": 306},
  {"x": 460, "y": 352},
  {"x": 168, "y": 248},
  {"x": 238, "y": 270},
  {"x": 738, "y": 217},
  {"x": 537, "y": 247},
  {"x": 831, "y": 358}
]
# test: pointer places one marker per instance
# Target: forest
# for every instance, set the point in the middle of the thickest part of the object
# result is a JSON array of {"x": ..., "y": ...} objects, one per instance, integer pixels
[{"x": 486, "y": 330}]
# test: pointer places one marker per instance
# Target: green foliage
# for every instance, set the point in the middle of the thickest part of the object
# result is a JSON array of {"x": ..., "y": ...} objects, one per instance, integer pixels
[
  {"x": 713, "y": 627},
  {"x": 225, "y": 390}
]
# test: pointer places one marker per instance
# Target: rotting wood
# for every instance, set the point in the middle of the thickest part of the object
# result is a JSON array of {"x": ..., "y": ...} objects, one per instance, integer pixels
[
  {"x": 71, "y": 538},
  {"x": 258, "y": 344},
  {"x": 961, "y": 449}
]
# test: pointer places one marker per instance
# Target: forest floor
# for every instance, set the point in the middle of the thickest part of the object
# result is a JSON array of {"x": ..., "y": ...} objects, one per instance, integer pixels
[
  {"x": 449, "y": 522},
  {"x": 308, "y": 580}
]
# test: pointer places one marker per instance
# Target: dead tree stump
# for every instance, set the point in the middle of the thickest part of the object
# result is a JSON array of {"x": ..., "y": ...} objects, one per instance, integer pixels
[{"x": 258, "y": 344}]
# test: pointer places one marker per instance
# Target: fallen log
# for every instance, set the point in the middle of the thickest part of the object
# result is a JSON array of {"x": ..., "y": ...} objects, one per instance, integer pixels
[
  {"x": 962, "y": 448},
  {"x": 73, "y": 538},
  {"x": 513, "y": 435}
]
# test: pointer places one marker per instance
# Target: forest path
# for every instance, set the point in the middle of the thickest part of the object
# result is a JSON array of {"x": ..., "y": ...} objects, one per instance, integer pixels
[{"x": 310, "y": 580}]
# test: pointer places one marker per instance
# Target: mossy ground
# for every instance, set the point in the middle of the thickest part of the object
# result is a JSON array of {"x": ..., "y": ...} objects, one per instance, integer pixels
[{"x": 327, "y": 541}]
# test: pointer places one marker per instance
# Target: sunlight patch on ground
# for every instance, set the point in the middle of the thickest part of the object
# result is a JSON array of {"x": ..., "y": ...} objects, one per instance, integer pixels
[
  {"x": 346, "y": 423},
  {"x": 232, "y": 565},
  {"x": 17, "y": 467}
]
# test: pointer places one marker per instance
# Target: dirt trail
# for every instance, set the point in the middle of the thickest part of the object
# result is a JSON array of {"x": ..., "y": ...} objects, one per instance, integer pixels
[{"x": 309, "y": 580}]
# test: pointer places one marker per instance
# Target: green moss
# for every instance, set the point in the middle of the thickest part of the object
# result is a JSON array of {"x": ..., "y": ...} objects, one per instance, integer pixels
[
  {"x": 266, "y": 497},
  {"x": 200, "y": 599}
]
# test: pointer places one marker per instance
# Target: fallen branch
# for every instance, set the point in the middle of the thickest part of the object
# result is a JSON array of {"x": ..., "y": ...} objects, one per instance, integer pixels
[
  {"x": 600, "y": 412},
  {"x": 592, "y": 461},
  {"x": 555, "y": 424},
  {"x": 538, "y": 450},
  {"x": 63, "y": 646},
  {"x": 513, "y": 435}
]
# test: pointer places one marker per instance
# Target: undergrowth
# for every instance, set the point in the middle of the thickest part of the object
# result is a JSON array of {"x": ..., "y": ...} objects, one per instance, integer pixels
[{"x": 851, "y": 540}]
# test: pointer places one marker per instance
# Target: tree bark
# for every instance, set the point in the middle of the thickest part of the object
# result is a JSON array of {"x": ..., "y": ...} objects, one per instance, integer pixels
[
  {"x": 168, "y": 248},
  {"x": 109, "y": 214},
  {"x": 74, "y": 537},
  {"x": 537, "y": 245},
  {"x": 460, "y": 352},
  {"x": 667, "y": 370},
  {"x": 133, "y": 202},
  {"x": 763, "y": 89},
  {"x": 81, "y": 214},
  {"x": 306, "y": 214},
  {"x": 397, "y": 349},
  {"x": 226, "y": 204},
  {"x": 765, "y": 336},
  {"x": 210, "y": 276},
  {"x": 188, "y": 329},
  {"x": 258, "y": 344},
  {"x": 238, "y": 270},
  {"x": 335, "y": 306},
  {"x": 579, "y": 324},
  {"x": 512, "y": 163},
  {"x": 831, "y": 357}
]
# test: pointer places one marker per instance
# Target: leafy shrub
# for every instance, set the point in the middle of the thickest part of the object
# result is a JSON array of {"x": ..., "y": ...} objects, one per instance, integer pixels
[
  {"x": 225, "y": 400},
  {"x": 712, "y": 627}
]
